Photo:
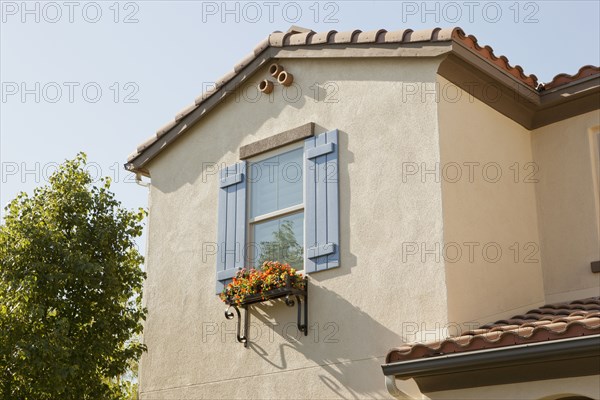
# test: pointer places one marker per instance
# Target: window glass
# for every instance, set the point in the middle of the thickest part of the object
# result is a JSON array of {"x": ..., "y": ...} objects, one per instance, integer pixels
[
  {"x": 279, "y": 239},
  {"x": 276, "y": 183}
]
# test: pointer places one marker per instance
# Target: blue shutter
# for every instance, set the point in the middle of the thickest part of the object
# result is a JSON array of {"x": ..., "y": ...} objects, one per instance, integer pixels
[
  {"x": 231, "y": 240},
  {"x": 321, "y": 209}
]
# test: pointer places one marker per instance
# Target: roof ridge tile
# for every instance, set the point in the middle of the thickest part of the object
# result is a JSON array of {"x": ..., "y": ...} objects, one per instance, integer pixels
[
  {"x": 370, "y": 36},
  {"x": 299, "y": 39},
  {"x": 346, "y": 36}
]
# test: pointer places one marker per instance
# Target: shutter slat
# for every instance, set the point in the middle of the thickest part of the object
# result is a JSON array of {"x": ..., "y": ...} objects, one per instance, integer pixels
[
  {"x": 321, "y": 203},
  {"x": 229, "y": 248},
  {"x": 322, "y": 250},
  {"x": 320, "y": 150},
  {"x": 232, "y": 223},
  {"x": 310, "y": 190},
  {"x": 222, "y": 227},
  {"x": 231, "y": 180},
  {"x": 333, "y": 202},
  {"x": 227, "y": 274},
  {"x": 240, "y": 218}
]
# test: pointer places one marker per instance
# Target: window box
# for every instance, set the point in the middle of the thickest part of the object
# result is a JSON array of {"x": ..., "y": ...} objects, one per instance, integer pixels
[
  {"x": 287, "y": 291},
  {"x": 255, "y": 285},
  {"x": 269, "y": 283}
]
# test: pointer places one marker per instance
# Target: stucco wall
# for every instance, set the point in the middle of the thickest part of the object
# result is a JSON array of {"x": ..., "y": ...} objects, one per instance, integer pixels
[
  {"x": 373, "y": 302},
  {"x": 567, "y": 191},
  {"x": 489, "y": 211}
]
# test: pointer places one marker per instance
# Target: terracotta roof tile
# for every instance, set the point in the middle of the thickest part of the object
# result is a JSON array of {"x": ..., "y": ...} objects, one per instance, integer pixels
[
  {"x": 276, "y": 38},
  {"x": 549, "y": 322},
  {"x": 396, "y": 36},
  {"x": 185, "y": 112},
  {"x": 300, "y": 39},
  {"x": 346, "y": 37},
  {"x": 148, "y": 142},
  {"x": 563, "y": 79},
  {"x": 298, "y": 36},
  {"x": 443, "y": 35},
  {"x": 371, "y": 36},
  {"x": 501, "y": 62},
  {"x": 424, "y": 35},
  {"x": 244, "y": 62},
  {"x": 225, "y": 78},
  {"x": 262, "y": 46},
  {"x": 322, "y": 37},
  {"x": 165, "y": 128}
]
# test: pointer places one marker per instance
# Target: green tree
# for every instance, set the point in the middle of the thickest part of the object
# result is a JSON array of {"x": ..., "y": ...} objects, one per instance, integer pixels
[{"x": 70, "y": 290}]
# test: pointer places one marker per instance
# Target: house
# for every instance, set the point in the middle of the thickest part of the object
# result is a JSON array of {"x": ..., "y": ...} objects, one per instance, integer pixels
[{"x": 427, "y": 188}]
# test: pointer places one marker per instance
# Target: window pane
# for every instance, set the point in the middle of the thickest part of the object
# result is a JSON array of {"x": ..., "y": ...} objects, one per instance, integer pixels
[
  {"x": 264, "y": 187},
  {"x": 290, "y": 179},
  {"x": 276, "y": 183},
  {"x": 279, "y": 240}
]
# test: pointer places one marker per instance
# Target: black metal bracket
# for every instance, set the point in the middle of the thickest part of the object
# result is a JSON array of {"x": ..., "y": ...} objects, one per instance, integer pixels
[
  {"x": 241, "y": 338},
  {"x": 286, "y": 293},
  {"x": 302, "y": 324}
]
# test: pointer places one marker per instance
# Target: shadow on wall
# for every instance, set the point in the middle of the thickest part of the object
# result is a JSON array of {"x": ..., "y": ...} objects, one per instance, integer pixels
[{"x": 346, "y": 345}]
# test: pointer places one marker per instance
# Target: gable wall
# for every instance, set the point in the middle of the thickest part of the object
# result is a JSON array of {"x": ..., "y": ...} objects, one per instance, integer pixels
[{"x": 373, "y": 302}]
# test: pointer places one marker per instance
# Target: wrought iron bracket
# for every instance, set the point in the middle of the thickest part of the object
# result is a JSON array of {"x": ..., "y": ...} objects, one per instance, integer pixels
[
  {"x": 302, "y": 302},
  {"x": 240, "y": 337},
  {"x": 288, "y": 295}
]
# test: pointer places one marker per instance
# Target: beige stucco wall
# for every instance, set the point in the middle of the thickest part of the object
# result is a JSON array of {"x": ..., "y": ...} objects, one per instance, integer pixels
[
  {"x": 490, "y": 208},
  {"x": 567, "y": 192},
  {"x": 356, "y": 312},
  {"x": 403, "y": 214},
  {"x": 556, "y": 389}
]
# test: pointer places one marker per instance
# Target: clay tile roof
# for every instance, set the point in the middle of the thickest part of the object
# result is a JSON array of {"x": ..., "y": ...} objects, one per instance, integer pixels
[
  {"x": 549, "y": 322},
  {"x": 499, "y": 61},
  {"x": 298, "y": 36},
  {"x": 563, "y": 79}
]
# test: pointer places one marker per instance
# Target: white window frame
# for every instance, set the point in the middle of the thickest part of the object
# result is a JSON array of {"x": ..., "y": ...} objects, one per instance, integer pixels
[{"x": 251, "y": 221}]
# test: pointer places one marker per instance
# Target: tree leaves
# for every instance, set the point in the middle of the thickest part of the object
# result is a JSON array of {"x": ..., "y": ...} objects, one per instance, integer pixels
[{"x": 70, "y": 290}]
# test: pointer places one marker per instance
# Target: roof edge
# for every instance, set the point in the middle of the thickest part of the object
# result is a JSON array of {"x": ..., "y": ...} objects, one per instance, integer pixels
[
  {"x": 302, "y": 38},
  {"x": 427, "y": 371}
]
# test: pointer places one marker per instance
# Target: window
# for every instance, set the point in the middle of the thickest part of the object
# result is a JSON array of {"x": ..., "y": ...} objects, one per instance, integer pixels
[
  {"x": 281, "y": 206},
  {"x": 276, "y": 209}
]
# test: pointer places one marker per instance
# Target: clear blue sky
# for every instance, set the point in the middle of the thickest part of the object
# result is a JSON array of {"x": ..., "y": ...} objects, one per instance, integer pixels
[{"x": 149, "y": 59}]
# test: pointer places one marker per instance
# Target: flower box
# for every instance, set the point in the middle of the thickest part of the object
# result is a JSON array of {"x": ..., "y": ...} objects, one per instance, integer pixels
[
  {"x": 273, "y": 281},
  {"x": 286, "y": 291}
]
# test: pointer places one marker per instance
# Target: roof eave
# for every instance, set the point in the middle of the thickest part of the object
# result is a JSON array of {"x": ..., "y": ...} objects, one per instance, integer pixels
[
  {"x": 511, "y": 364},
  {"x": 521, "y": 100}
]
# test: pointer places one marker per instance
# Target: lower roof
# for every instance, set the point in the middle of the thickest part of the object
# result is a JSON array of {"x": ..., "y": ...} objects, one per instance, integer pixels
[
  {"x": 555, "y": 341},
  {"x": 549, "y": 322}
]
